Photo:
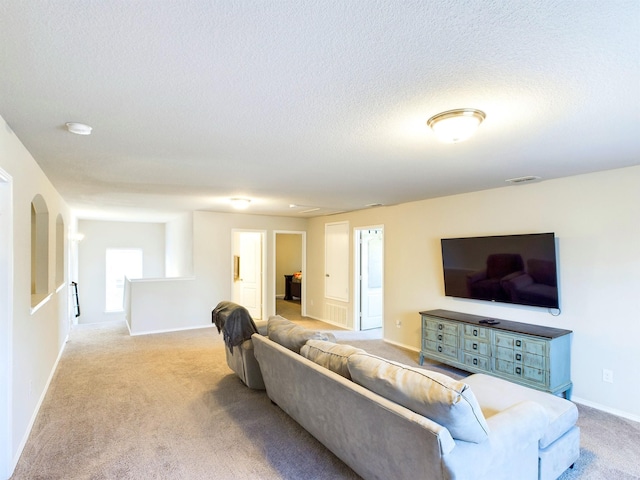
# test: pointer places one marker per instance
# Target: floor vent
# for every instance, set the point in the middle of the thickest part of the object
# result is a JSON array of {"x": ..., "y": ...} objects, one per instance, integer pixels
[{"x": 336, "y": 314}]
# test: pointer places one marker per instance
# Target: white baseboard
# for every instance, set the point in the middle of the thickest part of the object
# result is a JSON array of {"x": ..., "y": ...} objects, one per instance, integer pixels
[
  {"x": 32, "y": 421},
  {"x": 401, "y": 345},
  {"x": 170, "y": 330},
  {"x": 331, "y": 323},
  {"x": 604, "y": 408}
]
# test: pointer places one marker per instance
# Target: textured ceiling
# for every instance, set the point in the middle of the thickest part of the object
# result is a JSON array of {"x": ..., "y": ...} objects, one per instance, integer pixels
[{"x": 318, "y": 103}]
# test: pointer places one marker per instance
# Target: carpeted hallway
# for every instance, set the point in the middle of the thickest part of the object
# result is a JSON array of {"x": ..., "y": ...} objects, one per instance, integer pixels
[
  {"x": 162, "y": 406},
  {"x": 166, "y": 406}
]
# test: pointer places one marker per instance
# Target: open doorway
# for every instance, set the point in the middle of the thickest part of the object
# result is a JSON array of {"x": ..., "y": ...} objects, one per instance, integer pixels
[
  {"x": 369, "y": 263},
  {"x": 248, "y": 270},
  {"x": 289, "y": 258}
]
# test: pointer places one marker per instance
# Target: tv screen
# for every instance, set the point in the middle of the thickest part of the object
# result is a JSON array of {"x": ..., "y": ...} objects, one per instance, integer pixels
[{"x": 519, "y": 269}]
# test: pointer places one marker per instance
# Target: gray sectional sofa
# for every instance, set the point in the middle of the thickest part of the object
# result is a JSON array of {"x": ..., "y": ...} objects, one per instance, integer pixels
[{"x": 389, "y": 420}]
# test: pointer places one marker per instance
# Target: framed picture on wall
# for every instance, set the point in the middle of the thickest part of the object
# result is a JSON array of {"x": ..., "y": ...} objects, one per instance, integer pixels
[{"x": 236, "y": 267}]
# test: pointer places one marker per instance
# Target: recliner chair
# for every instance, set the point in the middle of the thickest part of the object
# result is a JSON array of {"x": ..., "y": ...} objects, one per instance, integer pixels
[{"x": 237, "y": 326}]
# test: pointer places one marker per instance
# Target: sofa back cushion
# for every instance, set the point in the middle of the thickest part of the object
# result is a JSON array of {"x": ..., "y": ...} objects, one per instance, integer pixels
[
  {"x": 330, "y": 355},
  {"x": 291, "y": 335},
  {"x": 449, "y": 402}
]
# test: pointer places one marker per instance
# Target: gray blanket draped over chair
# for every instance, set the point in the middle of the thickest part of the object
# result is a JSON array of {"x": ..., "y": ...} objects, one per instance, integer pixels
[{"x": 235, "y": 323}]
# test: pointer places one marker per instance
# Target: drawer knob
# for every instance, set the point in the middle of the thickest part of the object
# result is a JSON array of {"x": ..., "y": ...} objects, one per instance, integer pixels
[
  {"x": 518, "y": 343},
  {"x": 475, "y": 346},
  {"x": 475, "y": 361},
  {"x": 440, "y": 326},
  {"x": 439, "y": 348},
  {"x": 439, "y": 337},
  {"x": 518, "y": 357},
  {"x": 518, "y": 371},
  {"x": 475, "y": 333}
]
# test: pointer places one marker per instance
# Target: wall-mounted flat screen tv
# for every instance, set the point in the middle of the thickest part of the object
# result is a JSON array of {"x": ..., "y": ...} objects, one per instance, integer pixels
[{"x": 519, "y": 269}]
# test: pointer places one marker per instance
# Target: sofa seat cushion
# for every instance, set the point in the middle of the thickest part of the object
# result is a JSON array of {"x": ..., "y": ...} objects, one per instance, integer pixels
[
  {"x": 291, "y": 335},
  {"x": 449, "y": 402},
  {"x": 332, "y": 356},
  {"x": 495, "y": 395}
]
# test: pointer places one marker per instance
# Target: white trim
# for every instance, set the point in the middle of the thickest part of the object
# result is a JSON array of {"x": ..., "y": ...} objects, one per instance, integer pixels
[
  {"x": 40, "y": 304},
  {"x": 34, "y": 416},
  {"x": 343, "y": 327},
  {"x": 604, "y": 408},
  {"x": 169, "y": 330},
  {"x": 7, "y": 466},
  {"x": 303, "y": 291}
]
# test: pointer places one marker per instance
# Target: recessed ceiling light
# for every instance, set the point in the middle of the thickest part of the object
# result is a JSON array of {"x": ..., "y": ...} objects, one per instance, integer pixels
[
  {"x": 457, "y": 125},
  {"x": 240, "y": 203},
  {"x": 79, "y": 128}
]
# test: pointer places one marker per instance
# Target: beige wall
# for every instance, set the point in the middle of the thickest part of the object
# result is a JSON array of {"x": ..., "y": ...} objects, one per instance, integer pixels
[
  {"x": 98, "y": 237},
  {"x": 597, "y": 224},
  {"x": 212, "y": 253},
  {"x": 33, "y": 339}
]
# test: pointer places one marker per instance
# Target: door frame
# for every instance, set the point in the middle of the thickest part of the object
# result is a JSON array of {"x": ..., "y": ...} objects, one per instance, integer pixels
[
  {"x": 263, "y": 265},
  {"x": 357, "y": 287},
  {"x": 303, "y": 289},
  {"x": 6, "y": 324}
]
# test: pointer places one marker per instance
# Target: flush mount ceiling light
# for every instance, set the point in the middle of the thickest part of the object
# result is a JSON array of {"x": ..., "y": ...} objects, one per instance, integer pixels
[
  {"x": 240, "y": 203},
  {"x": 79, "y": 128},
  {"x": 456, "y": 125}
]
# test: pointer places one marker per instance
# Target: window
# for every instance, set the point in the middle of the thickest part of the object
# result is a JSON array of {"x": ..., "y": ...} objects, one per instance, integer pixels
[
  {"x": 121, "y": 262},
  {"x": 39, "y": 250}
]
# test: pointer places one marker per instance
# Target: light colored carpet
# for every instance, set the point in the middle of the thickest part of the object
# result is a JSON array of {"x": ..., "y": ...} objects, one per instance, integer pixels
[{"x": 166, "y": 406}]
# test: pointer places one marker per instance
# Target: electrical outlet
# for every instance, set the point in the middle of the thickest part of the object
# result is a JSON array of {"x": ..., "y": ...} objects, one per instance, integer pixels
[
  {"x": 607, "y": 375},
  {"x": 398, "y": 323}
]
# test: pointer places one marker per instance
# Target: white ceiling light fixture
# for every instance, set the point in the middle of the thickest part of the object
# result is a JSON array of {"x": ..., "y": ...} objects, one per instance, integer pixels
[
  {"x": 240, "y": 203},
  {"x": 79, "y": 128},
  {"x": 457, "y": 125}
]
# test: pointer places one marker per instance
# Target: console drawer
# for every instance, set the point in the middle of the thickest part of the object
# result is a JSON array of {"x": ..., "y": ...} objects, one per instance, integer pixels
[
  {"x": 474, "y": 346},
  {"x": 519, "y": 371},
  {"x": 476, "y": 361},
  {"x": 476, "y": 332},
  {"x": 444, "y": 327},
  {"x": 442, "y": 349}
]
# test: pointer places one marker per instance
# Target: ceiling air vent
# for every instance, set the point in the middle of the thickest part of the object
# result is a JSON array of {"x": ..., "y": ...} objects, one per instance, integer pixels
[{"x": 519, "y": 180}]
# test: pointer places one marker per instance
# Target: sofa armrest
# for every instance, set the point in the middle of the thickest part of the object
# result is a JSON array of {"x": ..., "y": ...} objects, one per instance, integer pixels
[
  {"x": 522, "y": 423},
  {"x": 511, "y": 450},
  {"x": 261, "y": 325}
]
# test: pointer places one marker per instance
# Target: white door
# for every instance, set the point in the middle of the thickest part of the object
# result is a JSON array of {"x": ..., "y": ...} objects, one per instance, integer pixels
[
  {"x": 336, "y": 269},
  {"x": 371, "y": 281},
  {"x": 250, "y": 291}
]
